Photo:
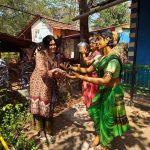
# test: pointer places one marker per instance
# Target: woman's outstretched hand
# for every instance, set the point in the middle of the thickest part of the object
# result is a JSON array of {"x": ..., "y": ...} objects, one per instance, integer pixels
[
  {"x": 58, "y": 73},
  {"x": 65, "y": 66},
  {"x": 73, "y": 75}
]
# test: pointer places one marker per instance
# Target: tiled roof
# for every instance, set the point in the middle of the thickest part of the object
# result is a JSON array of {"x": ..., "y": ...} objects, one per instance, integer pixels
[
  {"x": 60, "y": 25},
  {"x": 15, "y": 40},
  {"x": 127, "y": 25},
  {"x": 52, "y": 22}
]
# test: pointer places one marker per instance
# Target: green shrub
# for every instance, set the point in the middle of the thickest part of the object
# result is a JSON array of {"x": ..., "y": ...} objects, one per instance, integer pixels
[{"x": 12, "y": 120}]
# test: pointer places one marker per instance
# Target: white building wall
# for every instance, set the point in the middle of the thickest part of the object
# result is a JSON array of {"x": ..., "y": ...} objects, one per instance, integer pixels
[{"x": 39, "y": 30}]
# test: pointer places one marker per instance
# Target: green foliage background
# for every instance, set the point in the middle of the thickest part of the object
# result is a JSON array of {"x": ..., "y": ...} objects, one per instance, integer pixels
[
  {"x": 8, "y": 56},
  {"x": 12, "y": 21},
  {"x": 116, "y": 15}
]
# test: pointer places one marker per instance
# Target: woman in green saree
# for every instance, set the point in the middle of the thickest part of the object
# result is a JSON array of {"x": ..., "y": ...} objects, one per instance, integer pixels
[{"x": 107, "y": 109}]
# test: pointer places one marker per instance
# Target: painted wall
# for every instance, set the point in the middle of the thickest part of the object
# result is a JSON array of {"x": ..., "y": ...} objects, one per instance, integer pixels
[
  {"x": 124, "y": 36},
  {"x": 143, "y": 43},
  {"x": 124, "y": 32},
  {"x": 39, "y": 30}
]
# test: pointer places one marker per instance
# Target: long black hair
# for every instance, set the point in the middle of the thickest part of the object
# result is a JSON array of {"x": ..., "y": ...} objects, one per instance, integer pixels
[
  {"x": 45, "y": 43},
  {"x": 46, "y": 40}
]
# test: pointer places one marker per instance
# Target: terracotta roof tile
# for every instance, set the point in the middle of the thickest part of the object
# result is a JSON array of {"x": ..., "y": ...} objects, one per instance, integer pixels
[
  {"x": 52, "y": 22},
  {"x": 59, "y": 25}
]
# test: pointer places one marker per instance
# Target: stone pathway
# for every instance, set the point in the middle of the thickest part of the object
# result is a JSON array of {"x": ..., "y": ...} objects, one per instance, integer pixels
[{"x": 74, "y": 130}]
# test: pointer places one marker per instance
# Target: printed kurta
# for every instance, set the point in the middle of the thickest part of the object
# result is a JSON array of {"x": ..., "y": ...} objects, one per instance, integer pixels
[{"x": 41, "y": 87}]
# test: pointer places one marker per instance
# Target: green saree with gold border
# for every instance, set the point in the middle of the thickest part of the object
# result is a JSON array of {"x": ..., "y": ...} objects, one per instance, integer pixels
[{"x": 108, "y": 109}]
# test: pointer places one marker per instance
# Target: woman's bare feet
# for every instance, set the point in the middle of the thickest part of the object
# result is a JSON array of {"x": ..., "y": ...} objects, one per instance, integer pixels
[{"x": 96, "y": 141}]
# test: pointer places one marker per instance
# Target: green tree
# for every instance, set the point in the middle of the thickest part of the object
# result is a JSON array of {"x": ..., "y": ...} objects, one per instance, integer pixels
[
  {"x": 115, "y": 15},
  {"x": 12, "y": 21}
]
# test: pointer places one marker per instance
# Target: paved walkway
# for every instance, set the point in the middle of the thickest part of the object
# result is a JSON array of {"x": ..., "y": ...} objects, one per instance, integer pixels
[{"x": 74, "y": 131}]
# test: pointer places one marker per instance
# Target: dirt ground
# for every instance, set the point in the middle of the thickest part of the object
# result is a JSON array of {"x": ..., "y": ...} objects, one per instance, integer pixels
[{"x": 73, "y": 129}]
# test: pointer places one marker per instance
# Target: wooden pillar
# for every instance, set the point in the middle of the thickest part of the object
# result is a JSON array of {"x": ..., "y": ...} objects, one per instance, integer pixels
[{"x": 84, "y": 28}]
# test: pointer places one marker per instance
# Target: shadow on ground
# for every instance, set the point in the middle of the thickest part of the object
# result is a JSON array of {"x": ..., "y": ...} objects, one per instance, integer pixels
[
  {"x": 70, "y": 129},
  {"x": 74, "y": 130},
  {"x": 137, "y": 138}
]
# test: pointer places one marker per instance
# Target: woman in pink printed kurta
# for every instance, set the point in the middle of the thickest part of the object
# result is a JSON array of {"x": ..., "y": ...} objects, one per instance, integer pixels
[{"x": 42, "y": 85}]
